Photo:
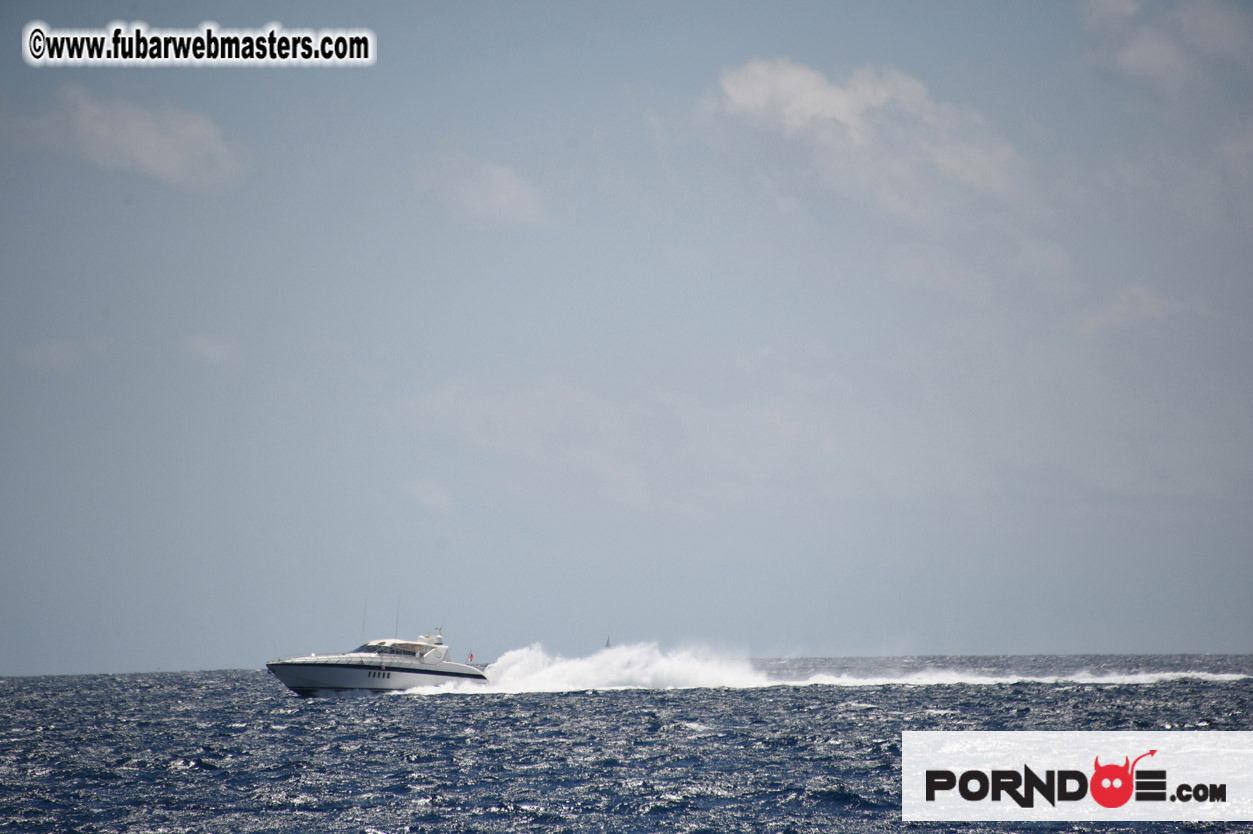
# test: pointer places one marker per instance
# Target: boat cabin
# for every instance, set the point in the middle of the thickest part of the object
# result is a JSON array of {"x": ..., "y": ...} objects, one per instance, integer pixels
[{"x": 430, "y": 648}]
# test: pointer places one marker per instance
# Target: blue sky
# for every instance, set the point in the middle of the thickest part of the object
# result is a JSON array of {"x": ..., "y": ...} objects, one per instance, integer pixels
[{"x": 802, "y": 328}]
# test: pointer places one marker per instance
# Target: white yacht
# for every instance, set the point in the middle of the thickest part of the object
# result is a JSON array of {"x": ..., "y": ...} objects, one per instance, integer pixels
[{"x": 380, "y": 665}]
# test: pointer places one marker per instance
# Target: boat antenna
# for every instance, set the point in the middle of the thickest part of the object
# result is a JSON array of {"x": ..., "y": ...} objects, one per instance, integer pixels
[
  {"x": 365, "y": 603},
  {"x": 397, "y": 632}
]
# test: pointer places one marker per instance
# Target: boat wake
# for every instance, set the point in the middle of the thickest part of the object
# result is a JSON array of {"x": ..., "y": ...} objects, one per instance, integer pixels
[
  {"x": 646, "y": 666},
  {"x": 632, "y": 666}
]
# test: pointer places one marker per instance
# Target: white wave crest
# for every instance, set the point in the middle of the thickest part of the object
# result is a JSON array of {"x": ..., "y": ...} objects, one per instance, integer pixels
[{"x": 953, "y": 677}]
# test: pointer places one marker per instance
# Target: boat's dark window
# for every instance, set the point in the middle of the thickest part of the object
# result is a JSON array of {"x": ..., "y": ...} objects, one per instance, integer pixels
[
  {"x": 366, "y": 649},
  {"x": 395, "y": 650}
]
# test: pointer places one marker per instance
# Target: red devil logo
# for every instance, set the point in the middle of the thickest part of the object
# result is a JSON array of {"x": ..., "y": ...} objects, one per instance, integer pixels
[{"x": 1110, "y": 784}]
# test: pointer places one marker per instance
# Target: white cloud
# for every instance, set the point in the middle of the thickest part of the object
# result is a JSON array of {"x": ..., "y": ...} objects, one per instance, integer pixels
[
  {"x": 793, "y": 97},
  {"x": 1173, "y": 48},
  {"x": 1217, "y": 29},
  {"x": 180, "y": 149},
  {"x": 1156, "y": 56},
  {"x": 877, "y": 135},
  {"x": 431, "y": 495},
  {"x": 1108, "y": 14},
  {"x": 484, "y": 191},
  {"x": 1196, "y": 59},
  {"x": 986, "y": 167},
  {"x": 216, "y": 351},
  {"x": 1134, "y": 304}
]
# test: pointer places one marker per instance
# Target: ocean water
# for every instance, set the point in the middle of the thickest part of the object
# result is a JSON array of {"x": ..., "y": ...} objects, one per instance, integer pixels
[{"x": 630, "y": 739}]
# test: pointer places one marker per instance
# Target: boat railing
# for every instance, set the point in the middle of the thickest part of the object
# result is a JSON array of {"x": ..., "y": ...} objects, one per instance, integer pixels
[{"x": 339, "y": 660}]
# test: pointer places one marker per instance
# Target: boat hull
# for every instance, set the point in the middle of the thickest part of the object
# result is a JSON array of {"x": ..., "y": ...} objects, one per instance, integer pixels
[{"x": 309, "y": 676}]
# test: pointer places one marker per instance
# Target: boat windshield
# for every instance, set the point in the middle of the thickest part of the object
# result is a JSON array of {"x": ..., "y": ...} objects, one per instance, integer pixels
[{"x": 370, "y": 648}]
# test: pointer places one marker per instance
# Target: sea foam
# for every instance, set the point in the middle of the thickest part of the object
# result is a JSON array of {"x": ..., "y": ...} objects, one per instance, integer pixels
[
  {"x": 647, "y": 666},
  {"x": 629, "y": 666},
  {"x": 954, "y": 677}
]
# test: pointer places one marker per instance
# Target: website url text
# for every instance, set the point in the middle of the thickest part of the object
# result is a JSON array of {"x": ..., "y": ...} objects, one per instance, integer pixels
[{"x": 135, "y": 44}]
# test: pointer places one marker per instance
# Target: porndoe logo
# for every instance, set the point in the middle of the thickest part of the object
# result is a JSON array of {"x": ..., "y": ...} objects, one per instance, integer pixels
[
  {"x": 1112, "y": 785},
  {"x": 1024, "y": 776}
]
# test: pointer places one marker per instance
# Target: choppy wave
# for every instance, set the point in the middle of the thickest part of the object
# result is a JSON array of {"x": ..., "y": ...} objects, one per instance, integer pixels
[
  {"x": 647, "y": 666},
  {"x": 681, "y": 742}
]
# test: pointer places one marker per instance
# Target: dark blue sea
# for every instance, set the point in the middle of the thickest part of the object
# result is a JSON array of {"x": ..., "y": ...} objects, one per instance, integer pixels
[{"x": 631, "y": 739}]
